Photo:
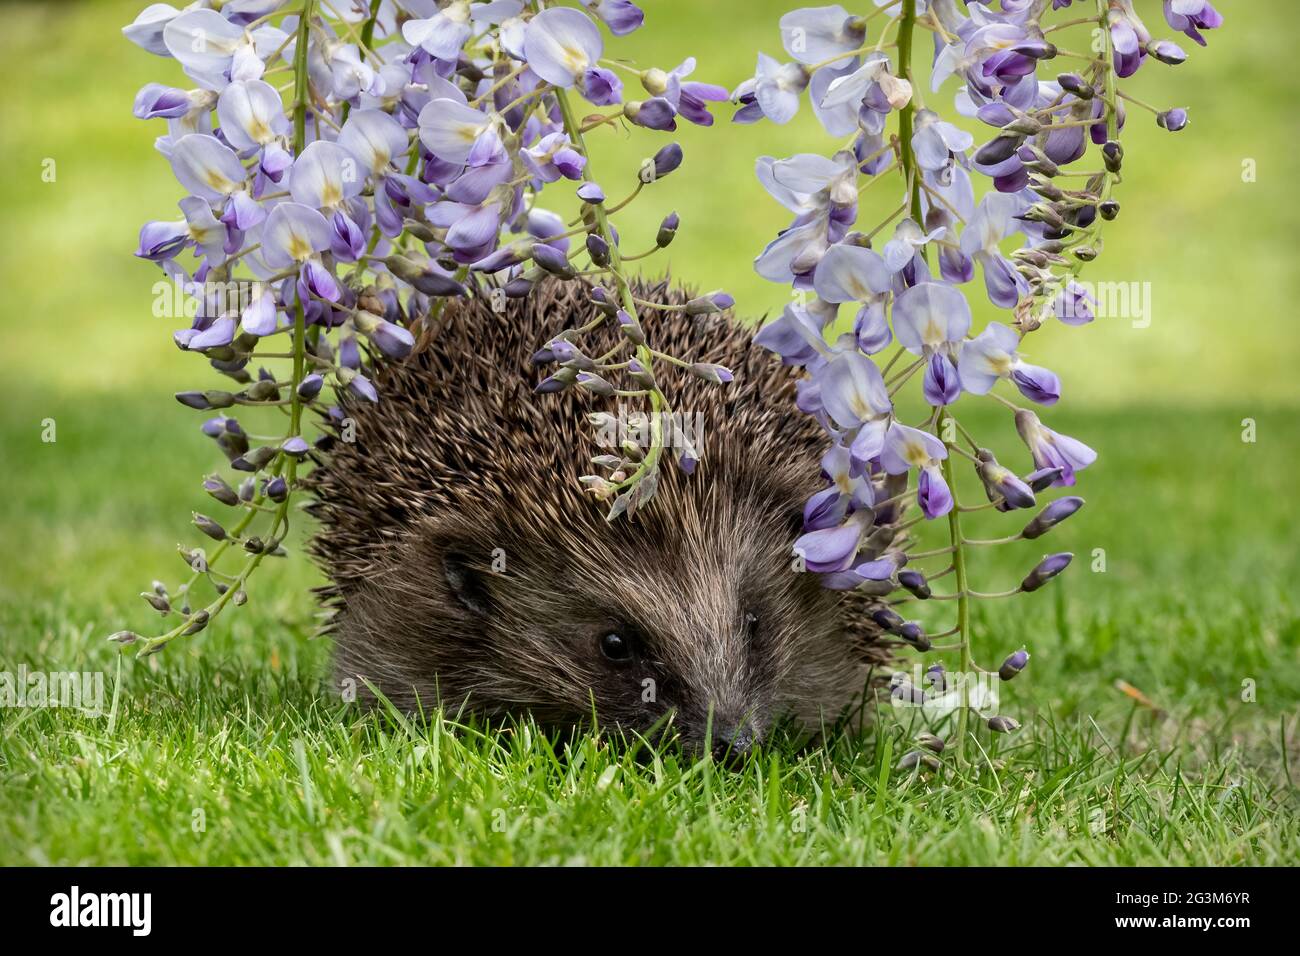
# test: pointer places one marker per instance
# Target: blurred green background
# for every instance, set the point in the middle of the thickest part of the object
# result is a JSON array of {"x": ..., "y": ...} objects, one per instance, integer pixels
[
  {"x": 83, "y": 348},
  {"x": 1213, "y": 248},
  {"x": 1198, "y": 526}
]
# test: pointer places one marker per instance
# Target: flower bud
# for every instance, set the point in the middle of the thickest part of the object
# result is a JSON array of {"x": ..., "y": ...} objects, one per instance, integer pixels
[
  {"x": 552, "y": 260},
  {"x": 1108, "y": 209},
  {"x": 1001, "y": 485},
  {"x": 931, "y": 742},
  {"x": 124, "y": 637},
  {"x": 1003, "y": 725},
  {"x": 915, "y": 582},
  {"x": 157, "y": 601},
  {"x": 1172, "y": 120},
  {"x": 999, "y": 149},
  {"x": 598, "y": 249},
  {"x": 630, "y": 327},
  {"x": 1051, "y": 516},
  {"x": 519, "y": 287},
  {"x": 916, "y": 758},
  {"x": 601, "y": 299},
  {"x": 1045, "y": 570},
  {"x": 937, "y": 677},
  {"x": 255, "y": 460},
  {"x": 295, "y": 445},
  {"x": 663, "y": 163},
  {"x": 209, "y": 527},
  {"x": 247, "y": 489},
  {"x": 197, "y": 623},
  {"x": 654, "y": 113},
  {"x": 908, "y": 693},
  {"x": 216, "y": 486},
  {"x": 1167, "y": 51},
  {"x": 716, "y": 374},
  {"x": 1013, "y": 665},
  {"x": 263, "y": 390},
  {"x": 641, "y": 375},
  {"x": 277, "y": 489},
  {"x": 558, "y": 382},
  {"x": 1112, "y": 155},
  {"x": 718, "y": 301},
  {"x": 425, "y": 280},
  {"x": 595, "y": 384},
  {"x": 310, "y": 386},
  {"x": 1074, "y": 83},
  {"x": 667, "y": 230},
  {"x": 590, "y": 192},
  {"x": 888, "y": 618},
  {"x": 240, "y": 598},
  {"x": 914, "y": 634}
]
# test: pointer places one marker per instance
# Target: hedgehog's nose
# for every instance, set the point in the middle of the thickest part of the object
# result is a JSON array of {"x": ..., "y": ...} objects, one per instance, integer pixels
[{"x": 730, "y": 745}]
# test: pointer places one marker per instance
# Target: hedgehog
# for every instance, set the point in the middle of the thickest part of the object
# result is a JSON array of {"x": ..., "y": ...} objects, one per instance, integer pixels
[{"x": 467, "y": 569}]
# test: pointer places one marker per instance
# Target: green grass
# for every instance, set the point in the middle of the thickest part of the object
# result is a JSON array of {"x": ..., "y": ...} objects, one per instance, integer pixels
[{"x": 241, "y": 722}]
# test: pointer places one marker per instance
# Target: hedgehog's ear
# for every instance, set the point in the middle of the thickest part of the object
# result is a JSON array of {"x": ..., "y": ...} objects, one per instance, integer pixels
[{"x": 466, "y": 582}]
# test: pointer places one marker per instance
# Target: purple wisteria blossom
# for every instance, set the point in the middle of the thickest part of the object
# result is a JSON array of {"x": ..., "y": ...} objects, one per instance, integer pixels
[
  {"x": 1008, "y": 205},
  {"x": 336, "y": 216}
]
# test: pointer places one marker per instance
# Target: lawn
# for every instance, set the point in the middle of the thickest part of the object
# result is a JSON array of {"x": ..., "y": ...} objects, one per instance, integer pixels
[
  {"x": 1159, "y": 711},
  {"x": 237, "y": 733}
]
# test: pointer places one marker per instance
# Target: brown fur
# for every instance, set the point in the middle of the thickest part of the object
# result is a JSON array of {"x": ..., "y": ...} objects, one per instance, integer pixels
[{"x": 460, "y": 457}]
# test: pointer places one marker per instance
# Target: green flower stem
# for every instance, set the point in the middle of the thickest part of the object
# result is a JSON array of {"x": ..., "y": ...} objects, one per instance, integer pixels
[
  {"x": 285, "y": 464},
  {"x": 908, "y": 158},
  {"x": 643, "y": 352},
  {"x": 962, "y": 628}
]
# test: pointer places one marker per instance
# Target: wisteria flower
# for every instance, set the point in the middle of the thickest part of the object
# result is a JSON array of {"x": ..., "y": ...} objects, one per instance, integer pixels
[
  {"x": 776, "y": 88},
  {"x": 1129, "y": 37},
  {"x": 1052, "y": 449},
  {"x": 794, "y": 335},
  {"x": 936, "y": 141},
  {"x": 564, "y": 47},
  {"x": 870, "y": 84},
  {"x": 689, "y": 98},
  {"x": 459, "y": 134},
  {"x": 814, "y": 34},
  {"x": 1074, "y": 304},
  {"x": 852, "y": 391},
  {"x": 832, "y": 549},
  {"x": 621, "y": 16},
  {"x": 293, "y": 236},
  {"x": 857, "y": 274},
  {"x": 992, "y": 355},
  {"x": 443, "y": 34},
  {"x": 214, "y": 51},
  {"x": 848, "y": 491},
  {"x": 906, "y": 448},
  {"x": 994, "y": 221},
  {"x": 553, "y": 157},
  {"x": 931, "y": 317},
  {"x": 1192, "y": 16}
]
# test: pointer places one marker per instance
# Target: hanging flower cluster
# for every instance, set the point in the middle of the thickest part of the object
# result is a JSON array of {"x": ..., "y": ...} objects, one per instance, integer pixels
[
  {"x": 903, "y": 277},
  {"x": 349, "y": 166}
]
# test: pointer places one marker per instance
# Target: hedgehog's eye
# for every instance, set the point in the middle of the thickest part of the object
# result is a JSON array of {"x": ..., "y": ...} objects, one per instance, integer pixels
[
  {"x": 617, "y": 647},
  {"x": 751, "y": 625}
]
